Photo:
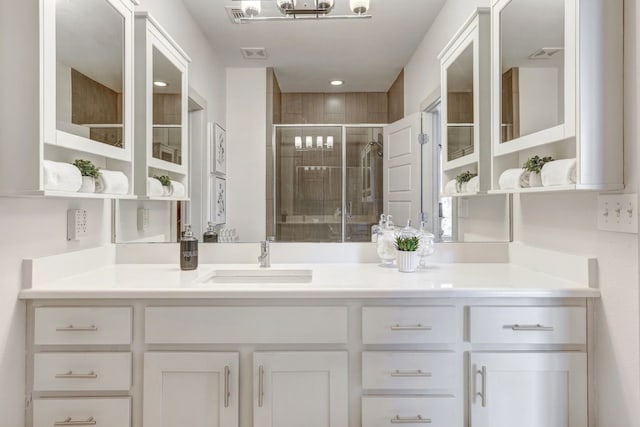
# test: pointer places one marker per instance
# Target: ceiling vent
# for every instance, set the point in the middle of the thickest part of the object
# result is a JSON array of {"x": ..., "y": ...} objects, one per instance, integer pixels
[
  {"x": 545, "y": 52},
  {"x": 235, "y": 14},
  {"x": 254, "y": 52}
]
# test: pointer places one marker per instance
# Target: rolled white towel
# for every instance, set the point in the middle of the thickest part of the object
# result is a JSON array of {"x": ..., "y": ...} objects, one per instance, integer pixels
[
  {"x": 451, "y": 187},
  {"x": 177, "y": 189},
  {"x": 514, "y": 178},
  {"x": 559, "y": 172},
  {"x": 473, "y": 186},
  {"x": 60, "y": 176},
  {"x": 154, "y": 187},
  {"x": 112, "y": 182}
]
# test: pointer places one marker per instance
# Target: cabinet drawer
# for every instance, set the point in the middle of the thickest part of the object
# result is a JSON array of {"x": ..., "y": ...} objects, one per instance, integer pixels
[
  {"x": 432, "y": 411},
  {"x": 82, "y": 412},
  {"x": 82, "y": 371},
  {"x": 408, "y": 370},
  {"x": 240, "y": 325},
  {"x": 75, "y": 325},
  {"x": 409, "y": 325},
  {"x": 528, "y": 325}
]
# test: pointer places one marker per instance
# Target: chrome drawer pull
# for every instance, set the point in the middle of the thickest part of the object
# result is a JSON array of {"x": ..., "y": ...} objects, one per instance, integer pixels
[
  {"x": 411, "y": 420},
  {"x": 537, "y": 327},
  {"x": 69, "y": 422},
  {"x": 71, "y": 328},
  {"x": 71, "y": 375},
  {"x": 417, "y": 327},
  {"x": 260, "y": 386},
  {"x": 483, "y": 390},
  {"x": 418, "y": 373},
  {"x": 227, "y": 386}
]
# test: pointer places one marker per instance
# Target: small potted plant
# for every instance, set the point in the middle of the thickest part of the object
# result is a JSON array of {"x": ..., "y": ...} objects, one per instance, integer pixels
[
  {"x": 534, "y": 165},
  {"x": 89, "y": 173},
  {"x": 463, "y": 179},
  {"x": 166, "y": 184},
  {"x": 407, "y": 253}
]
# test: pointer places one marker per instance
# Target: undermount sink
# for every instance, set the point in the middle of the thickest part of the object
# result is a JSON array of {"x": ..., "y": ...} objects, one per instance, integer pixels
[{"x": 266, "y": 275}]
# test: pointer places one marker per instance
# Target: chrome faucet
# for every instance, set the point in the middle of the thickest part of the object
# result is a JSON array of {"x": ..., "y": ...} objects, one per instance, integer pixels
[{"x": 264, "y": 258}]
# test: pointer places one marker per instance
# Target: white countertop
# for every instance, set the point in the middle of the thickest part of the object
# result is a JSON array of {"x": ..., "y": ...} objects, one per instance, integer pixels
[{"x": 166, "y": 281}]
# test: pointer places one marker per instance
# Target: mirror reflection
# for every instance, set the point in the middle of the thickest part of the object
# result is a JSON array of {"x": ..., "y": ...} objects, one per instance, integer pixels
[
  {"x": 532, "y": 58},
  {"x": 460, "y": 106},
  {"x": 167, "y": 109},
  {"x": 89, "y": 70}
]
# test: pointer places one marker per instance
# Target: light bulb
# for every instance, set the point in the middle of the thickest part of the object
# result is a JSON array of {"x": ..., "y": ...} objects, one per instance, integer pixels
[
  {"x": 330, "y": 142},
  {"x": 285, "y": 4},
  {"x": 359, "y": 6},
  {"x": 319, "y": 142},
  {"x": 325, "y": 4},
  {"x": 308, "y": 142},
  {"x": 251, "y": 8},
  {"x": 298, "y": 142}
]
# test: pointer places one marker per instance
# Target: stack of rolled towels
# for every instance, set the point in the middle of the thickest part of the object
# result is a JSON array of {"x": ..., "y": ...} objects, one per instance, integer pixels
[
  {"x": 156, "y": 189},
  {"x": 60, "y": 176},
  {"x": 471, "y": 187},
  {"x": 554, "y": 173}
]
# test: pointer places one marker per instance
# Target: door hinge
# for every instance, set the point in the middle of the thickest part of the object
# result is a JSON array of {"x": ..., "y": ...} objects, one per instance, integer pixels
[{"x": 423, "y": 139}]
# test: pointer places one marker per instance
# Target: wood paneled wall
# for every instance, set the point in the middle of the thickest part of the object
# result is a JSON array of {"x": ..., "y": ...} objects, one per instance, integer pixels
[
  {"x": 334, "y": 108},
  {"x": 396, "y": 99},
  {"x": 92, "y": 102}
]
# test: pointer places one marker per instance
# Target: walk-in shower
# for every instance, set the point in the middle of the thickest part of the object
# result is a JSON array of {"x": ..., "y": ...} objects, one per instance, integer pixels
[{"x": 327, "y": 182}]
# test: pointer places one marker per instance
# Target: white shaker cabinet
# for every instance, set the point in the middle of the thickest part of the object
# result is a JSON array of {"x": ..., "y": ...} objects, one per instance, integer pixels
[
  {"x": 293, "y": 389},
  {"x": 190, "y": 389},
  {"x": 528, "y": 389}
]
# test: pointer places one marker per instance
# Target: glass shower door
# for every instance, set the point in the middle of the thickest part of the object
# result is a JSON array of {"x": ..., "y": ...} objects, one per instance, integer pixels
[
  {"x": 308, "y": 184},
  {"x": 363, "y": 193}
]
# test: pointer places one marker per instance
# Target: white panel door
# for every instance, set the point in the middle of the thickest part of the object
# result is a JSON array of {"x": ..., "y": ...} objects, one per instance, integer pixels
[
  {"x": 529, "y": 389},
  {"x": 190, "y": 389},
  {"x": 401, "y": 180},
  {"x": 295, "y": 389}
]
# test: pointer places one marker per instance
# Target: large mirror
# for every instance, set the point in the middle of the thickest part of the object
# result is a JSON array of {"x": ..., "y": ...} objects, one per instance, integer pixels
[
  {"x": 533, "y": 67},
  {"x": 89, "y": 70},
  {"x": 460, "y": 114}
]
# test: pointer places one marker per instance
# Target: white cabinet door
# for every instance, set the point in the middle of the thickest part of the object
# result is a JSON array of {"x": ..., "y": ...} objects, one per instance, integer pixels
[
  {"x": 294, "y": 389},
  {"x": 190, "y": 389},
  {"x": 528, "y": 389}
]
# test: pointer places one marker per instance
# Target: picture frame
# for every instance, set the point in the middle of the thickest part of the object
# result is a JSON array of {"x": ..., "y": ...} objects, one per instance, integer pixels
[
  {"x": 220, "y": 150},
  {"x": 219, "y": 202}
]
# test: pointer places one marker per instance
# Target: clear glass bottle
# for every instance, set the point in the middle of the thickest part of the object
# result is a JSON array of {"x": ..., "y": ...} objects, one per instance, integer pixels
[
  {"x": 426, "y": 247},
  {"x": 211, "y": 235},
  {"x": 376, "y": 229},
  {"x": 188, "y": 250},
  {"x": 386, "y": 247}
]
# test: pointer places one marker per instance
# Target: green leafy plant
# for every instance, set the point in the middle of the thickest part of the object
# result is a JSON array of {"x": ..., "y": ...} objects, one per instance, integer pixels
[
  {"x": 465, "y": 177},
  {"x": 164, "y": 180},
  {"x": 535, "y": 163},
  {"x": 406, "y": 244},
  {"x": 87, "y": 168}
]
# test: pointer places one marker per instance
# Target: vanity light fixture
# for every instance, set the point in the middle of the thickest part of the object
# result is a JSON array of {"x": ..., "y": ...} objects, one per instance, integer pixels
[
  {"x": 336, "y": 82},
  {"x": 308, "y": 142},
  {"x": 319, "y": 142},
  {"x": 160, "y": 83},
  {"x": 359, "y": 6},
  {"x": 298, "y": 142},
  {"x": 251, "y": 8},
  {"x": 330, "y": 142}
]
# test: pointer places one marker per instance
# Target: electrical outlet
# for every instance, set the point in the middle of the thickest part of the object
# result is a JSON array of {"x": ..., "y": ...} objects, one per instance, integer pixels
[
  {"x": 76, "y": 224},
  {"x": 143, "y": 219},
  {"x": 618, "y": 212}
]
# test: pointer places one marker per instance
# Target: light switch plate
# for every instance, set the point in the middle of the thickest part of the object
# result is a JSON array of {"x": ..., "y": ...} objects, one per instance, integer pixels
[
  {"x": 618, "y": 213},
  {"x": 76, "y": 224}
]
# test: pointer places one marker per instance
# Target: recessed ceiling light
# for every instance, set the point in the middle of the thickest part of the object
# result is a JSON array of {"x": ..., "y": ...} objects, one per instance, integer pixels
[
  {"x": 160, "y": 83},
  {"x": 337, "y": 82}
]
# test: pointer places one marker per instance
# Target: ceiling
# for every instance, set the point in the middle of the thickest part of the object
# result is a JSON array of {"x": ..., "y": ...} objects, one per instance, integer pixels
[{"x": 366, "y": 54}]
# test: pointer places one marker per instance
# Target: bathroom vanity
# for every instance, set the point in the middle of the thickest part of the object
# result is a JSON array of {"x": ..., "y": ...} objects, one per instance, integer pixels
[{"x": 315, "y": 345}]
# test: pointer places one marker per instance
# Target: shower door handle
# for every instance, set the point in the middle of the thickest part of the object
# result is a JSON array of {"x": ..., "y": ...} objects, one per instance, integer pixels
[{"x": 350, "y": 209}]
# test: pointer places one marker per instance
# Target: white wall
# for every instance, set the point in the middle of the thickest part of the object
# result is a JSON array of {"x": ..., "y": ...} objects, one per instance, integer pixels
[
  {"x": 246, "y": 142},
  {"x": 568, "y": 222},
  {"x": 37, "y": 227}
]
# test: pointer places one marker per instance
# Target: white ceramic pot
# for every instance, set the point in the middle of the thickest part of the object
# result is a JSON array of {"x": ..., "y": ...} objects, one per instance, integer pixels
[
  {"x": 407, "y": 261},
  {"x": 535, "y": 179},
  {"x": 166, "y": 190},
  {"x": 88, "y": 185}
]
